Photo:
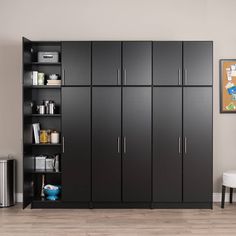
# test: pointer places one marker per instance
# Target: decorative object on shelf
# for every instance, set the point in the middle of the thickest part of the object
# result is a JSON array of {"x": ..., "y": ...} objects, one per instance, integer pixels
[
  {"x": 55, "y": 137},
  {"x": 41, "y": 78},
  {"x": 43, "y": 136},
  {"x": 51, "y": 107},
  {"x": 46, "y": 104},
  {"x": 54, "y": 82},
  {"x": 56, "y": 164},
  {"x": 40, "y": 163},
  {"x": 228, "y": 85},
  {"x": 36, "y": 130},
  {"x": 35, "y": 77},
  {"x": 53, "y": 77},
  {"x": 52, "y": 191},
  {"x": 41, "y": 109},
  {"x": 48, "y": 57},
  {"x": 50, "y": 162}
]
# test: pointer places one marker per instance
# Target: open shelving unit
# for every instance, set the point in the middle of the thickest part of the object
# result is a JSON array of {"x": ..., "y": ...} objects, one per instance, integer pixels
[{"x": 35, "y": 94}]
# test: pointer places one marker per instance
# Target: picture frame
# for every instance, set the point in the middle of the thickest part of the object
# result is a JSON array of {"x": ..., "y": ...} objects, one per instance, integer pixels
[{"x": 228, "y": 86}]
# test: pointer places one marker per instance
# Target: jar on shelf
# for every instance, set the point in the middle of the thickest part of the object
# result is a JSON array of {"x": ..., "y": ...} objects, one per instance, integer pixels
[
  {"x": 49, "y": 135},
  {"x": 43, "y": 136},
  {"x": 41, "y": 78}
]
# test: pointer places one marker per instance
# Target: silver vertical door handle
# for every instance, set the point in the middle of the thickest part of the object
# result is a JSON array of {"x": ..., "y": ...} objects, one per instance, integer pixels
[
  {"x": 185, "y": 76},
  {"x": 125, "y": 76},
  {"x": 179, "y": 139},
  {"x": 63, "y": 144},
  {"x": 179, "y": 76},
  {"x": 118, "y": 144},
  {"x": 118, "y": 76},
  {"x": 124, "y": 145},
  {"x": 64, "y": 75},
  {"x": 185, "y": 145}
]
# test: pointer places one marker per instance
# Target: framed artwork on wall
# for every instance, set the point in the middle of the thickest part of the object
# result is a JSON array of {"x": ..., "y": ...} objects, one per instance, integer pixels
[{"x": 228, "y": 85}]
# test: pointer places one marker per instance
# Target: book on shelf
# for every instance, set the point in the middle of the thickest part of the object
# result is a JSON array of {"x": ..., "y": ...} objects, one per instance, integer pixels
[
  {"x": 35, "y": 77},
  {"x": 54, "y": 82},
  {"x": 36, "y": 130}
]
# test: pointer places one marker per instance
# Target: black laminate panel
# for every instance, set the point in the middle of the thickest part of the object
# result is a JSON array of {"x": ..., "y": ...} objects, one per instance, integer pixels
[
  {"x": 106, "y": 142},
  {"x": 197, "y": 159},
  {"x": 76, "y": 158},
  {"x": 167, "y": 144},
  {"x": 106, "y": 65},
  {"x": 137, "y": 144},
  {"x": 167, "y": 63}
]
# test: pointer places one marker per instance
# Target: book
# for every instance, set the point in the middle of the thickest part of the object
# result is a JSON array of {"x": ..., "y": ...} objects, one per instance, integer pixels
[
  {"x": 36, "y": 130},
  {"x": 54, "y": 82},
  {"x": 35, "y": 77}
]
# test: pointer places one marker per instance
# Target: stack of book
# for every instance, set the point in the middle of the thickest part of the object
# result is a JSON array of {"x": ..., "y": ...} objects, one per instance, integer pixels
[{"x": 53, "y": 82}]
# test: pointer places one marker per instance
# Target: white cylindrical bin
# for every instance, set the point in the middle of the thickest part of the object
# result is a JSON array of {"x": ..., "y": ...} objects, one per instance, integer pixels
[{"x": 7, "y": 182}]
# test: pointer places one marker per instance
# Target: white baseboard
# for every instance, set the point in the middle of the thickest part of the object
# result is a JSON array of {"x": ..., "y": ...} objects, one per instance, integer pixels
[
  {"x": 19, "y": 197},
  {"x": 216, "y": 197}
]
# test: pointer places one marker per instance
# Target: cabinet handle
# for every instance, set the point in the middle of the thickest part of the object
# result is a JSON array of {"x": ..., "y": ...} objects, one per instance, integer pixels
[
  {"x": 63, "y": 144},
  {"x": 125, "y": 76},
  {"x": 179, "y": 139},
  {"x": 179, "y": 75},
  {"x": 64, "y": 75},
  {"x": 118, "y": 144},
  {"x": 118, "y": 77},
  {"x": 185, "y": 76},
  {"x": 185, "y": 145},
  {"x": 124, "y": 145}
]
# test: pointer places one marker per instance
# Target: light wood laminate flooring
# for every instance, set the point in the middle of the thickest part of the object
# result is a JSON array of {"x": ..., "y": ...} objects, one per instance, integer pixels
[{"x": 127, "y": 222}]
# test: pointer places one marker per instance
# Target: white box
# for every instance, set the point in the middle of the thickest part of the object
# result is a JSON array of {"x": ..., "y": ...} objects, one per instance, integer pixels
[
  {"x": 35, "y": 77},
  {"x": 40, "y": 162}
]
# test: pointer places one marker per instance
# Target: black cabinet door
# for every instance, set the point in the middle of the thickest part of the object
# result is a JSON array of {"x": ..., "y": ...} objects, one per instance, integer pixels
[
  {"x": 106, "y": 63},
  {"x": 76, "y": 159},
  {"x": 137, "y": 63},
  {"x": 197, "y": 59},
  {"x": 76, "y": 63},
  {"x": 197, "y": 137},
  {"x": 167, "y": 63},
  {"x": 106, "y": 144},
  {"x": 167, "y": 144},
  {"x": 136, "y": 144}
]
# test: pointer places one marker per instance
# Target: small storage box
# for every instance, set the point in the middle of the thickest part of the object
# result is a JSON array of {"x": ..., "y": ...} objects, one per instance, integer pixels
[
  {"x": 48, "y": 57},
  {"x": 40, "y": 162}
]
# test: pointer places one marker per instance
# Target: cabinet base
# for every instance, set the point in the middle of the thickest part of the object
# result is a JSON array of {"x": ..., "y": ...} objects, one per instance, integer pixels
[{"x": 117, "y": 205}]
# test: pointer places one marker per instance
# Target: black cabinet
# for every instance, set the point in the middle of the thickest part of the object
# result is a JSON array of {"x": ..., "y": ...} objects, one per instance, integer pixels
[
  {"x": 106, "y": 63},
  {"x": 167, "y": 140},
  {"x": 182, "y": 162},
  {"x": 197, "y": 138},
  {"x": 197, "y": 63},
  {"x": 76, "y": 158},
  {"x": 136, "y": 144},
  {"x": 76, "y": 63},
  {"x": 106, "y": 143},
  {"x": 137, "y": 63},
  {"x": 167, "y": 63}
]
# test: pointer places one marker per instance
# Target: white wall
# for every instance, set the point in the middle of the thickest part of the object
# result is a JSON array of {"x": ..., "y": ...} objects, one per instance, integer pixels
[{"x": 113, "y": 20}]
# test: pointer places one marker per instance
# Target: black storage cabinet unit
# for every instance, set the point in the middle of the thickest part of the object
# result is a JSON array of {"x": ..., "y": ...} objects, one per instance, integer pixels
[{"x": 135, "y": 123}]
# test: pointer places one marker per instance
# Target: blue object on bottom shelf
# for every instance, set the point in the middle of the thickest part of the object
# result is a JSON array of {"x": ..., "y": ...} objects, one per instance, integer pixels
[{"x": 52, "y": 194}]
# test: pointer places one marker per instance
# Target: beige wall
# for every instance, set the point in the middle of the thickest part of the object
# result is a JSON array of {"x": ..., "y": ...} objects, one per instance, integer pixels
[{"x": 113, "y": 20}]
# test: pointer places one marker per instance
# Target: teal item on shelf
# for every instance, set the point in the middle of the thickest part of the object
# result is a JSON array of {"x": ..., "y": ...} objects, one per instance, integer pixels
[{"x": 52, "y": 191}]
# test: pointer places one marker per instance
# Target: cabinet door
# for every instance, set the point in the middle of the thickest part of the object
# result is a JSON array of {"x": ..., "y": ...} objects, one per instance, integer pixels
[
  {"x": 167, "y": 63},
  {"x": 76, "y": 63},
  {"x": 136, "y": 144},
  {"x": 197, "y": 159},
  {"x": 106, "y": 144},
  {"x": 197, "y": 63},
  {"x": 137, "y": 63},
  {"x": 106, "y": 57},
  {"x": 167, "y": 144},
  {"x": 76, "y": 158}
]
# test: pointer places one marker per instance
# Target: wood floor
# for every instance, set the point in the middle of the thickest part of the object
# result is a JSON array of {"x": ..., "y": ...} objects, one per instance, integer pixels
[{"x": 127, "y": 222}]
